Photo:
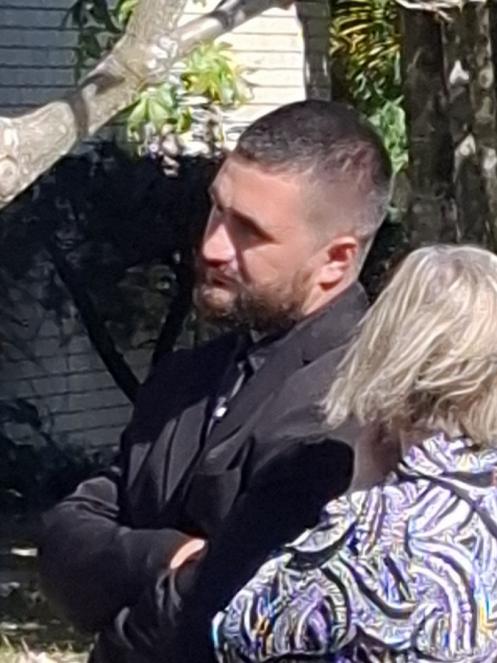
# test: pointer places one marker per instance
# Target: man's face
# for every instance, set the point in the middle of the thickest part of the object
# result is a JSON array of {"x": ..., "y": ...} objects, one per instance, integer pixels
[{"x": 254, "y": 263}]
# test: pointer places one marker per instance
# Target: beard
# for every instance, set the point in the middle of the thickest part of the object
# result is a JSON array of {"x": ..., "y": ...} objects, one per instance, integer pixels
[{"x": 273, "y": 308}]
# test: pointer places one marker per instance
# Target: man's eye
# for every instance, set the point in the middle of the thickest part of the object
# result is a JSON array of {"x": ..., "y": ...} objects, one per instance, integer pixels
[{"x": 249, "y": 229}]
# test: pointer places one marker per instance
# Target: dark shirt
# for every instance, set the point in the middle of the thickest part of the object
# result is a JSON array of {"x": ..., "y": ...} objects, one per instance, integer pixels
[{"x": 249, "y": 356}]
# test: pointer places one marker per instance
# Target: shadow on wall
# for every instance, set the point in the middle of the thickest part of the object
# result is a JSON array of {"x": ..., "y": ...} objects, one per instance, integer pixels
[{"x": 95, "y": 283}]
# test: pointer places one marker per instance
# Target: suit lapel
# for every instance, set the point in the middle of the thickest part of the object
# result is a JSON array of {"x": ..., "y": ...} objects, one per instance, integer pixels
[
  {"x": 334, "y": 326},
  {"x": 165, "y": 461},
  {"x": 184, "y": 446},
  {"x": 160, "y": 461},
  {"x": 256, "y": 392},
  {"x": 326, "y": 330}
]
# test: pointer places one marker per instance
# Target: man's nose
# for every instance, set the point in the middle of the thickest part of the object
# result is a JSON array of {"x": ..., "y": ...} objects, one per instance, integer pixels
[{"x": 217, "y": 246}]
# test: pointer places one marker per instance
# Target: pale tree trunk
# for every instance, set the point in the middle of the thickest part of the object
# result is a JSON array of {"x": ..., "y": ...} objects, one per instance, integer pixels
[
  {"x": 451, "y": 109},
  {"x": 31, "y": 143}
]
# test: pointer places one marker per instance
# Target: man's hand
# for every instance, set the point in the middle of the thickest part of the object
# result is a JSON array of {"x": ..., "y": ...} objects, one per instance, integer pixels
[{"x": 188, "y": 552}]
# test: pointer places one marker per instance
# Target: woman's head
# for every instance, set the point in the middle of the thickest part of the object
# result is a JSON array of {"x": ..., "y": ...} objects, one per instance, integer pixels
[{"x": 426, "y": 354}]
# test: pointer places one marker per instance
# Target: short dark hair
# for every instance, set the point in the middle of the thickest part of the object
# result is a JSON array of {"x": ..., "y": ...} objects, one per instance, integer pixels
[{"x": 328, "y": 140}]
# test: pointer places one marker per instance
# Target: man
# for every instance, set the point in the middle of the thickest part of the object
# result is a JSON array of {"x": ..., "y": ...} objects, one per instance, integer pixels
[{"x": 227, "y": 444}]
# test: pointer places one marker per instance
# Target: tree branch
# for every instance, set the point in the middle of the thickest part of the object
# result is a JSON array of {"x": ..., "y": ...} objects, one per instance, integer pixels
[
  {"x": 102, "y": 341},
  {"x": 31, "y": 143},
  {"x": 178, "y": 312}
]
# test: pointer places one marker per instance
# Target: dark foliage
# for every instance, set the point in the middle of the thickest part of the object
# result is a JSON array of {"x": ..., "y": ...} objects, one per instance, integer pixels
[{"x": 117, "y": 238}]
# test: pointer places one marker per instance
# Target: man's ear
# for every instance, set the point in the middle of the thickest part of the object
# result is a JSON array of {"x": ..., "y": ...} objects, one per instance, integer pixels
[{"x": 340, "y": 260}]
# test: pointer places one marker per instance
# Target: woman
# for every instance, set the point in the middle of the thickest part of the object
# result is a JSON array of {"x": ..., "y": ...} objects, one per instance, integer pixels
[{"x": 407, "y": 570}]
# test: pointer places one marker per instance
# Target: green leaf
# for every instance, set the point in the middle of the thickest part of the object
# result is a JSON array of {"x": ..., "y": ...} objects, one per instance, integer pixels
[
  {"x": 365, "y": 48},
  {"x": 184, "y": 122},
  {"x": 138, "y": 113},
  {"x": 124, "y": 9},
  {"x": 209, "y": 71},
  {"x": 158, "y": 114},
  {"x": 166, "y": 96}
]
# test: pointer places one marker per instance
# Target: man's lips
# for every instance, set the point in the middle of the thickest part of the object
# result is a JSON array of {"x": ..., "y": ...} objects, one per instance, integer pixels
[{"x": 220, "y": 281}]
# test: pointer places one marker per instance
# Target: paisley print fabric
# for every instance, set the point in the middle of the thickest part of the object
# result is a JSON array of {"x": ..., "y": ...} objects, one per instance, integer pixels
[{"x": 404, "y": 572}]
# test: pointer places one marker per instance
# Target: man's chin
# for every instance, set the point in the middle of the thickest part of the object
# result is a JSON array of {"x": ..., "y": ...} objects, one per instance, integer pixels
[{"x": 215, "y": 303}]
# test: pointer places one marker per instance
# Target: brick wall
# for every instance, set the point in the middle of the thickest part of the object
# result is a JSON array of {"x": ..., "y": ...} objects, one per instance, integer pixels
[
  {"x": 49, "y": 361},
  {"x": 36, "y": 55}
]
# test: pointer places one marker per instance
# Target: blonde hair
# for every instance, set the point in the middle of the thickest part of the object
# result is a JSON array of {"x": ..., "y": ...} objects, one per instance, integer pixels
[{"x": 425, "y": 357}]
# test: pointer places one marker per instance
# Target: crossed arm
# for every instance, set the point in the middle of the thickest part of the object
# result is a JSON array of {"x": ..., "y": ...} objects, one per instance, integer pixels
[{"x": 91, "y": 564}]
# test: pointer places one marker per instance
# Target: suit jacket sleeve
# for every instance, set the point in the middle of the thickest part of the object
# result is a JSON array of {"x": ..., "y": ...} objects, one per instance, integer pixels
[
  {"x": 276, "y": 508},
  {"x": 92, "y": 560},
  {"x": 144, "y": 632}
]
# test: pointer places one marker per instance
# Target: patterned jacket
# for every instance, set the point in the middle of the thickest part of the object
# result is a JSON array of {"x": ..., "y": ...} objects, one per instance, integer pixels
[{"x": 406, "y": 571}]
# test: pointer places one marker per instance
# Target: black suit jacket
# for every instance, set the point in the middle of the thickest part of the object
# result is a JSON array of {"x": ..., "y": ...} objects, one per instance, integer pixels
[{"x": 268, "y": 466}]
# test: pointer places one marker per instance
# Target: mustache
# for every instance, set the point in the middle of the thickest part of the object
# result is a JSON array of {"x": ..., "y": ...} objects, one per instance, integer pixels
[{"x": 207, "y": 275}]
